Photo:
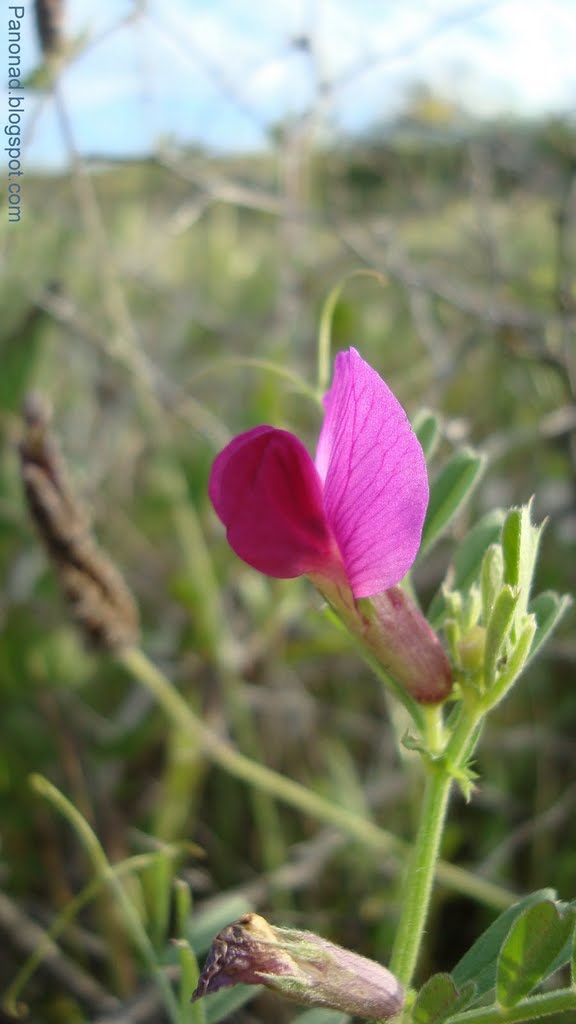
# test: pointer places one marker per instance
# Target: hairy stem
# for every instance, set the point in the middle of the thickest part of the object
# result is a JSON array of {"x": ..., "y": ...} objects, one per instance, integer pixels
[
  {"x": 543, "y": 1005},
  {"x": 423, "y": 862},
  {"x": 417, "y": 885}
]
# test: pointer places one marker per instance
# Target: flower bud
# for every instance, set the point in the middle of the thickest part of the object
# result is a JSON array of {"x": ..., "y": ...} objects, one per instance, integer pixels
[
  {"x": 471, "y": 650},
  {"x": 396, "y": 633},
  {"x": 300, "y": 966}
]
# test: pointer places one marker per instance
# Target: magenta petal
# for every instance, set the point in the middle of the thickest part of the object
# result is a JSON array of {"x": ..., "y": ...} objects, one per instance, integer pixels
[
  {"x": 374, "y": 473},
  {"x": 265, "y": 489}
]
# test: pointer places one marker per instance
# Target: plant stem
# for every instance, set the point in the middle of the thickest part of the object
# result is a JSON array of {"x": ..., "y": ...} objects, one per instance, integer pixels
[
  {"x": 292, "y": 793},
  {"x": 423, "y": 862},
  {"x": 543, "y": 1005},
  {"x": 417, "y": 885},
  {"x": 104, "y": 870}
]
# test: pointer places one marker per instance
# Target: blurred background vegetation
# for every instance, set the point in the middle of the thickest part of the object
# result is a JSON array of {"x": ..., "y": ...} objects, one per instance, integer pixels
[{"x": 163, "y": 305}]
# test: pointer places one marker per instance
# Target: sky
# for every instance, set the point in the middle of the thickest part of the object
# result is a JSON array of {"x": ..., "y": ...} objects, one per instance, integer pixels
[{"x": 222, "y": 72}]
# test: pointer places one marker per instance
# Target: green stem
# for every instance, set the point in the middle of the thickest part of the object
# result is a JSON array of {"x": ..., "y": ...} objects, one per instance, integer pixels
[
  {"x": 423, "y": 862},
  {"x": 543, "y": 1005},
  {"x": 417, "y": 885},
  {"x": 292, "y": 793},
  {"x": 327, "y": 318},
  {"x": 433, "y": 730},
  {"x": 105, "y": 871},
  {"x": 215, "y": 639}
]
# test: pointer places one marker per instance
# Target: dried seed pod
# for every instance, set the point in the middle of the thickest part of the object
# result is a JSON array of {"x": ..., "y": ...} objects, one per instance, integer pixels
[{"x": 99, "y": 600}]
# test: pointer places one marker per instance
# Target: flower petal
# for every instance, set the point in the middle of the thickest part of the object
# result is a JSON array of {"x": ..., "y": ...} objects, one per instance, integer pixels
[
  {"x": 374, "y": 473},
  {"x": 265, "y": 489}
]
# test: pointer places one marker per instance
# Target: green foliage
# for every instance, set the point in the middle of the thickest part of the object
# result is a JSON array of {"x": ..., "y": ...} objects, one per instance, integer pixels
[
  {"x": 468, "y": 559},
  {"x": 516, "y": 955},
  {"x": 497, "y": 631},
  {"x": 548, "y": 609},
  {"x": 489, "y": 629},
  {"x": 226, "y": 1002},
  {"x": 427, "y": 427},
  {"x": 491, "y": 579},
  {"x": 448, "y": 492},
  {"x": 219, "y": 334},
  {"x": 20, "y": 352},
  {"x": 439, "y": 999},
  {"x": 532, "y": 947},
  {"x": 480, "y": 963},
  {"x": 520, "y": 541},
  {"x": 190, "y": 1012}
]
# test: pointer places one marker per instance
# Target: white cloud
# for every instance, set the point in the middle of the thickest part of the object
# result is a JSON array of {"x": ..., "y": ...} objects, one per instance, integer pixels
[{"x": 221, "y": 70}]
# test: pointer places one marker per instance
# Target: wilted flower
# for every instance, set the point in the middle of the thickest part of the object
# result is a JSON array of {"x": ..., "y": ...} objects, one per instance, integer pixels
[
  {"x": 300, "y": 966},
  {"x": 352, "y": 520}
]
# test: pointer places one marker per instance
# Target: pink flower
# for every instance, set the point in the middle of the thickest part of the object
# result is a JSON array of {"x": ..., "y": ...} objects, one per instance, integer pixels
[
  {"x": 354, "y": 514},
  {"x": 352, "y": 520}
]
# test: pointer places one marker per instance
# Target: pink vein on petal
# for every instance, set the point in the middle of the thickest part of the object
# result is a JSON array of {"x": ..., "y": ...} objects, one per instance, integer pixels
[{"x": 374, "y": 473}]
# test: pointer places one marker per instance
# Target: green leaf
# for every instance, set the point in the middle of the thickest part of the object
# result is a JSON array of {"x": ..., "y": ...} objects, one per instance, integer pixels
[
  {"x": 520, "y": 540},
  {"x": 322, "y": 1017},
  {"x": 448, "y": 493},
  {"x": 517, "y": 658},
  {"x": 426, "y": 426},
  {"x": 471, "y": 606},
  {"x": 533, "y": 944},
  {"x": 498, "y": 631},
  {"x": 157, "y": 882},
  {"x": 228, "y": 1000},
  {"x": 190, "y": 1013},
  {"x": 182, "y": 907},
  {"x": 491, "y": 578},
  {"x": 479, "y": 964},
  {"x": 567, "y": 954},
  {"x": 439, "y": 998},
  {"x": 468, "y": 558},
  {"x": 571, "y": 952},
  {"x": 548, "y": 608}
]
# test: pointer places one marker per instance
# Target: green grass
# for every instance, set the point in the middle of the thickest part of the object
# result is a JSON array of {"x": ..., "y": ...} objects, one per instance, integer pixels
[{"x": 158, "y": 351}]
